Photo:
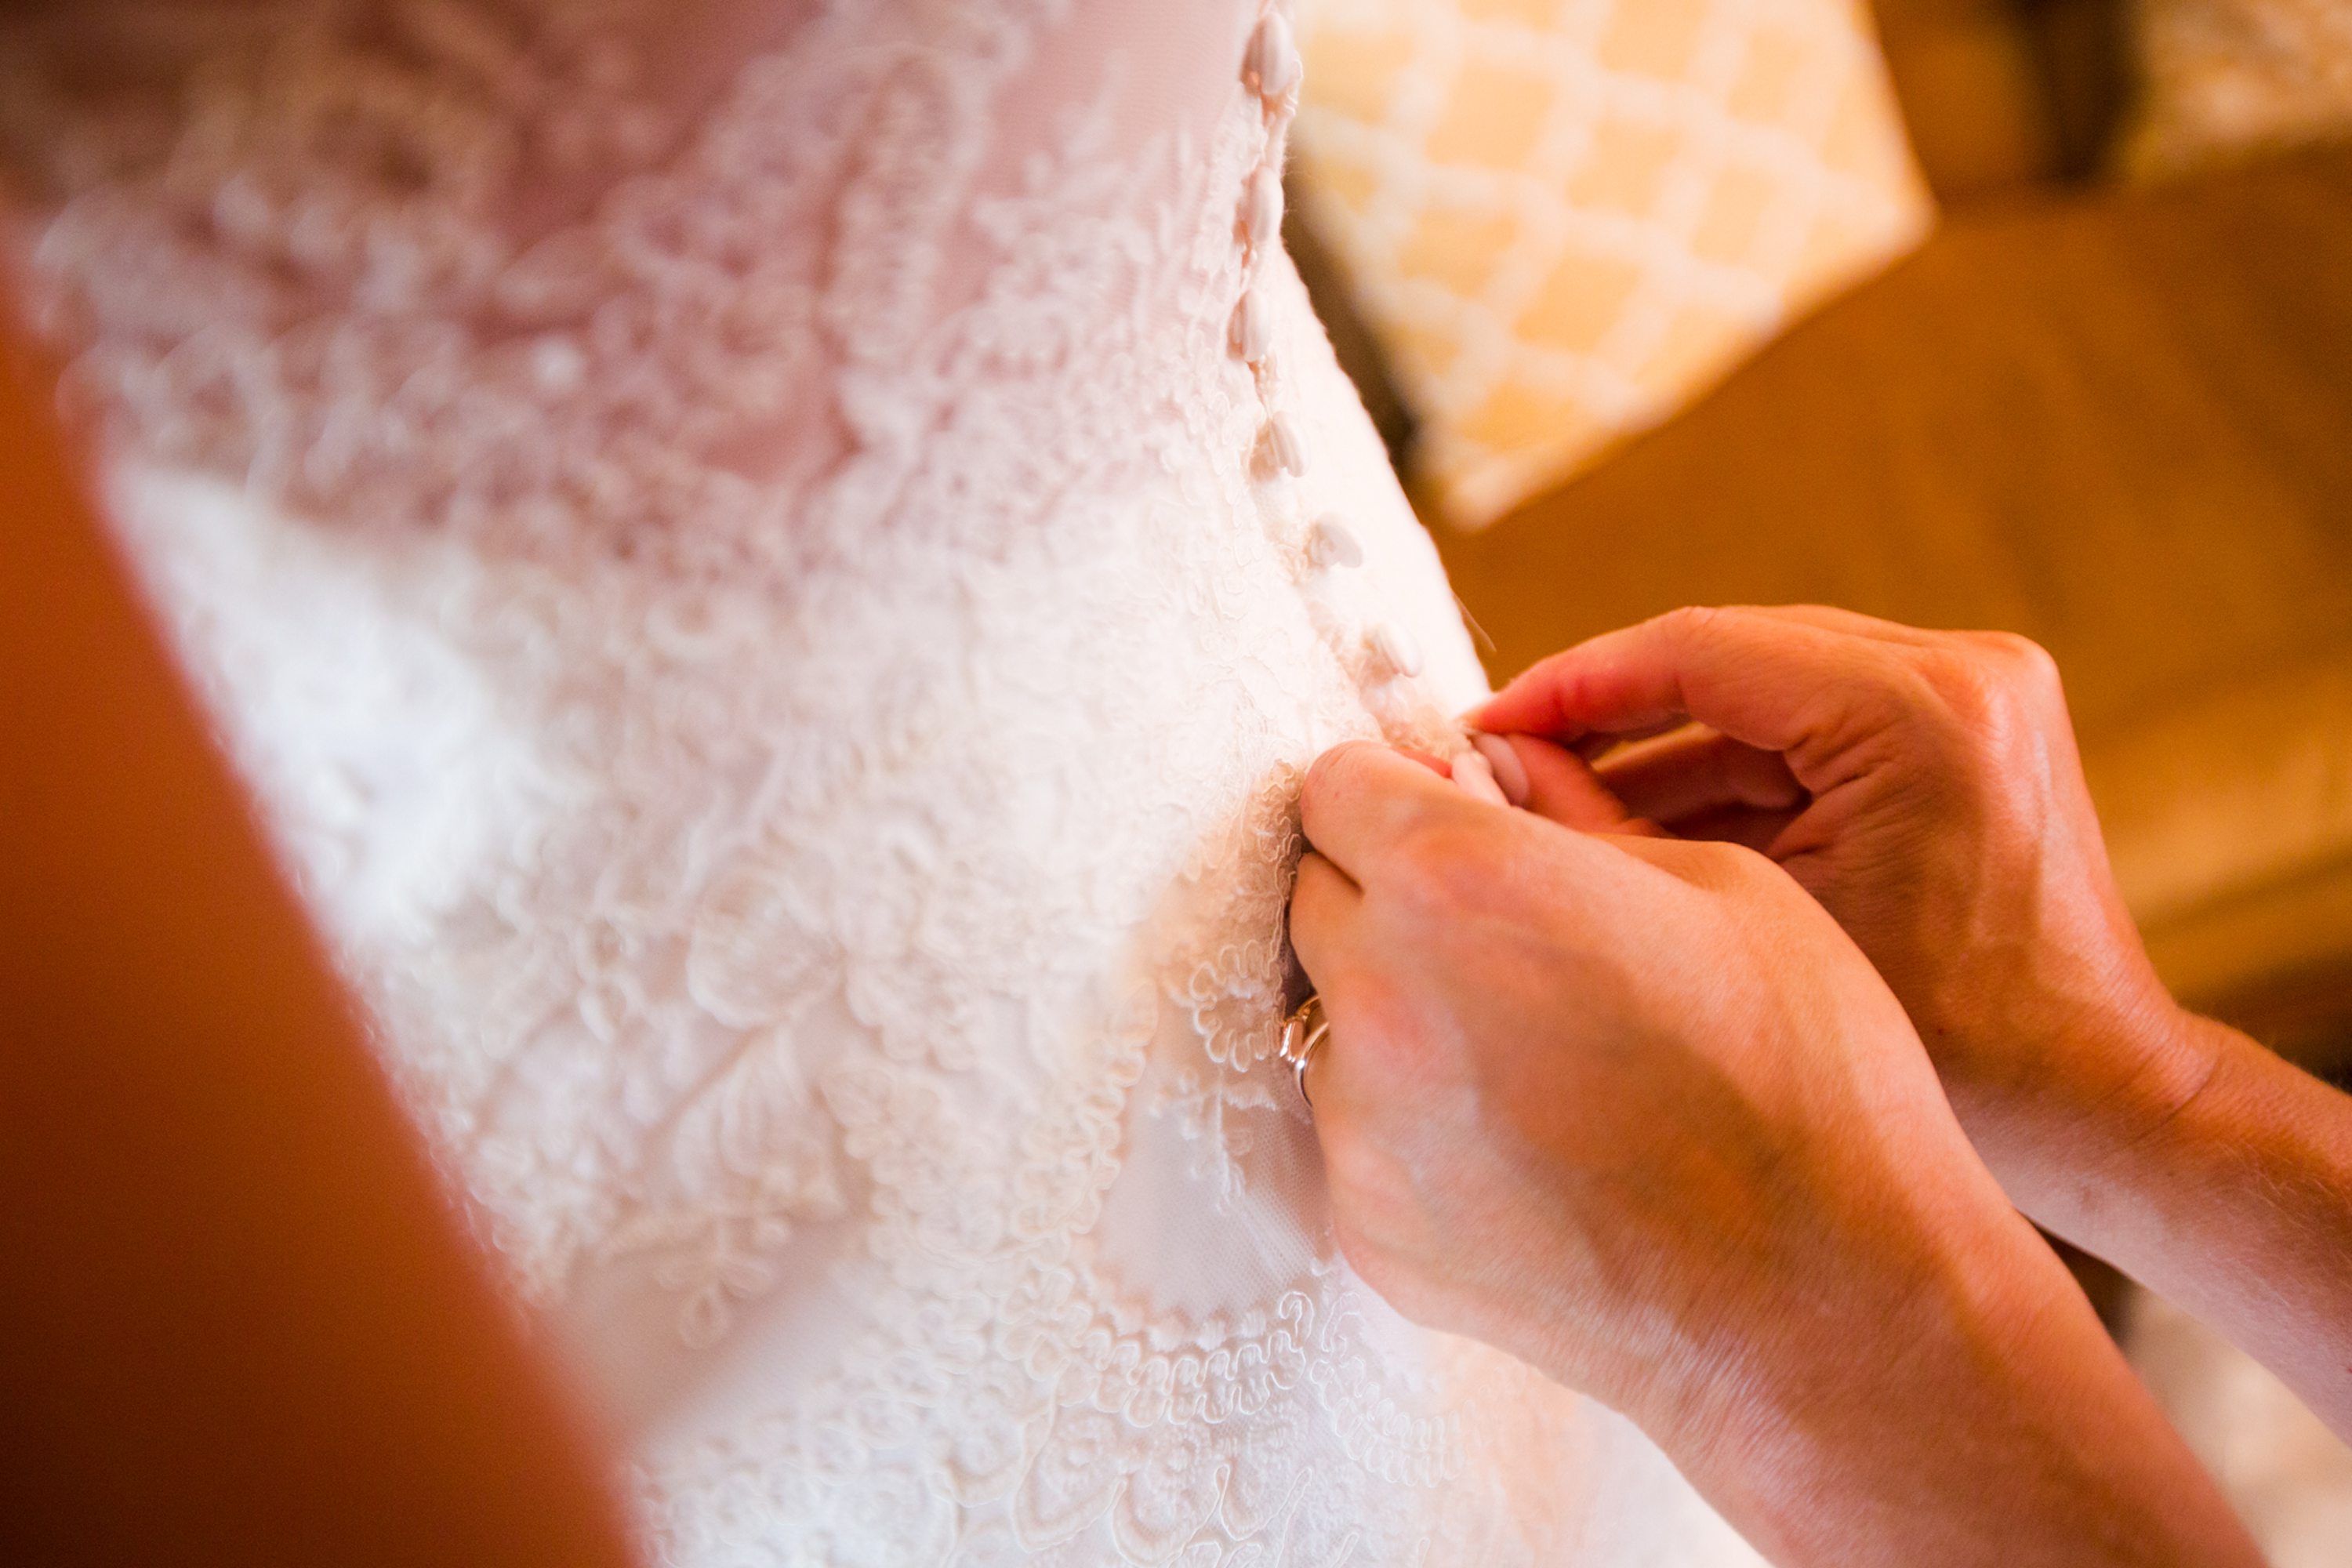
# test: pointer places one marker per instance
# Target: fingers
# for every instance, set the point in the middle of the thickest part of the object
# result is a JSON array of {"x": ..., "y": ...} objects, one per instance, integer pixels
[
  {"x": 1560, "y": 785},
  {"x": 1695, "y": 770},
  {"x": 1323, "y": 909},
  {"x": 1510, "y": 774},
  {"x": 1768, "y": 680},
  {"x": 1361, "y": 796},
  {"x": 1475, "y": 776}
]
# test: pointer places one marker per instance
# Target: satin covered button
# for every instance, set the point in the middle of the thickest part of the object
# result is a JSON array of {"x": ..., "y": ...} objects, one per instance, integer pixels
[
  {"x": 1262, "y": 209},
  {"x": 1331, "y": 542},
  {"x": 1394, "y": 646},
  {"x": 1253, "y": 327},
  {"x": 1273, "y": 61},
  {"x": 1284, "y": 450}
]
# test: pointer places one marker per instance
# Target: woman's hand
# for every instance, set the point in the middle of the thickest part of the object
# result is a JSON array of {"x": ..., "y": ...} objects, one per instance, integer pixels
[
  {"x": 1925, "y": 786},
  {"x": 1637, "y": 1111},
  {"x": 1614, "y": 1102}
]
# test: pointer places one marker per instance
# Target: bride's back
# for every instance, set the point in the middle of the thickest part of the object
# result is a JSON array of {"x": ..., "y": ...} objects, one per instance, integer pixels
[{"x": 778, "y": 566}]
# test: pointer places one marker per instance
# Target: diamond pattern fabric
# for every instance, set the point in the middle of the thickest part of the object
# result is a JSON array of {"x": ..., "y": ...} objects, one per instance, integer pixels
[{"x": 1563, "y": 218}]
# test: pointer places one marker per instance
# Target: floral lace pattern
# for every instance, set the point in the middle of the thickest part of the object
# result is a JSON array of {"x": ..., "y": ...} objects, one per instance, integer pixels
[{"x": 781, "y": 611}]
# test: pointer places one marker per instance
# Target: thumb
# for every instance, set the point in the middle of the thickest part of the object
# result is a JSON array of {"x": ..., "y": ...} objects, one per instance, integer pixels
[{"x": 1556, "y": 784}]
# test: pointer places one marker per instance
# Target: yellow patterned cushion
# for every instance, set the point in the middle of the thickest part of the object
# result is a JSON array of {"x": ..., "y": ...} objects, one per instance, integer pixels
[
  {"x": 2221, "y": 79},
  {"x": 1562, "y": 218}
]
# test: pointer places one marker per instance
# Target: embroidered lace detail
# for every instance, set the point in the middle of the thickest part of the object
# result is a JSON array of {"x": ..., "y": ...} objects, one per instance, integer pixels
[
  {"x": 315, "y": 278},
  {"x": 736, "y": 542}
]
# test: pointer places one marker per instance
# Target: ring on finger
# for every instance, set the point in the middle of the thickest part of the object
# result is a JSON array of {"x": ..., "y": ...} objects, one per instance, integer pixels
[{"x": 1303, "y": 1033}]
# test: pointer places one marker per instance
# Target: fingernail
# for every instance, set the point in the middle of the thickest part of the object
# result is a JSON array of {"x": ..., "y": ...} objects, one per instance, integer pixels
[
  {"x": 1510, "y": 774},
  {"x": 1476, "y": 779}
]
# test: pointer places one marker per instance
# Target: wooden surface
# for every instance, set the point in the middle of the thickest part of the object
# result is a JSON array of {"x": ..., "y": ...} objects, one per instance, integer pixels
[
  {"x": 2001, "y": 95},
  {"x": 2121, "y": 426}
]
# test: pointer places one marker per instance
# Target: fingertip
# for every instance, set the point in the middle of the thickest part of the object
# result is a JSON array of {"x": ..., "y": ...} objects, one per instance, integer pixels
[
  {"x": 1563, "y": 788},
  {"x": 1549, "y": 698},
  {"x": 1359, "y": 795},
  {"x": 1475, "y": 776},
  {"x": 1353, "y": 764},
  {"x": 1523, "y": 704},
  {"x": 1503, "y": 762},
  {"x": 1488, "y": 715}
]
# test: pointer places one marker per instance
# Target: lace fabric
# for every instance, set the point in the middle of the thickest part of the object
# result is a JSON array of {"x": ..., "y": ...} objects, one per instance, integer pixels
[{"x": 778, "y": 569}]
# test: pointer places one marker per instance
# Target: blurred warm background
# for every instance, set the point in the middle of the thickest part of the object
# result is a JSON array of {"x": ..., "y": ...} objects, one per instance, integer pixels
[{"x": 2029, "y": 314}]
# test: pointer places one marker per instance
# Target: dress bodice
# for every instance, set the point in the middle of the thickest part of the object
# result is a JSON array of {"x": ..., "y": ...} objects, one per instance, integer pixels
[{"x": 777, "y": 567}]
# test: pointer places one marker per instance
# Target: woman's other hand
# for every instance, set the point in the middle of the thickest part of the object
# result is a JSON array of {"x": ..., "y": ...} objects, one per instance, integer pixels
[
  {"x": 1637, "y": 1111},
  {"x": 1926, "y": 788}
]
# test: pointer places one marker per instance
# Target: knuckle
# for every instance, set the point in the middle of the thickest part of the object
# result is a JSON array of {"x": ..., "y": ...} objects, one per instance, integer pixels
[
  {"x": 1964, "y": 679},
  {"x": 1763, "y": 911},
  {"x": 1441, "y": 866},
  {"x": 1748, "y": 887},
  {"x": 1737, "y": 870},
  {"x": 1999, "y": 663},
  {"x": 2028, "y": 663},
  {"x": 2001, "y": 691},
  {"x": 1966, "y": 682},
  {"x": 1692, "y": 623}
]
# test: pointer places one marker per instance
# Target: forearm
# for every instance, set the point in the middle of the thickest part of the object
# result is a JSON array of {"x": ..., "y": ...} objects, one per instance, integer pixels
[
  {"x": 1976, "y": 1415},
  {"x": 2234, "y": 1200}
]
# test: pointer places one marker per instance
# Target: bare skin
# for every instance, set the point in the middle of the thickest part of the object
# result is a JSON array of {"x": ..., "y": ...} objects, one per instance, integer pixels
[
  {"x": 1925, "y": 788},
  {"x": 1637, "y": 1111}
]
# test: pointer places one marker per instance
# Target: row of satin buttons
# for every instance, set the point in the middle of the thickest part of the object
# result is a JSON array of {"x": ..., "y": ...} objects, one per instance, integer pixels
[{"x": 1271, "y": 68}]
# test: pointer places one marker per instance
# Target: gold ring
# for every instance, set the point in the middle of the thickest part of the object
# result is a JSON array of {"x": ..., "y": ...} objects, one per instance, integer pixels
[{"x": 1302, "y": 1033}]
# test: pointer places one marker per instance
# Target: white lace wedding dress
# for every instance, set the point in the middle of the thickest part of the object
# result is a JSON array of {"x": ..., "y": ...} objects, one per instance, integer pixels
[{"x": 777, "y": 566}]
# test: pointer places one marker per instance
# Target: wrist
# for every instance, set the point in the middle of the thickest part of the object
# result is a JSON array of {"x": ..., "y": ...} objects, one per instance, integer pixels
[
  {"x": 1934, "y": 1268},
  {"x": 2039, "y": 1446},
  {"x": 2224, "y": 1189},
  {"x": 2058, "y": 1085},
  {"x": 1806, "y": 1444}
]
